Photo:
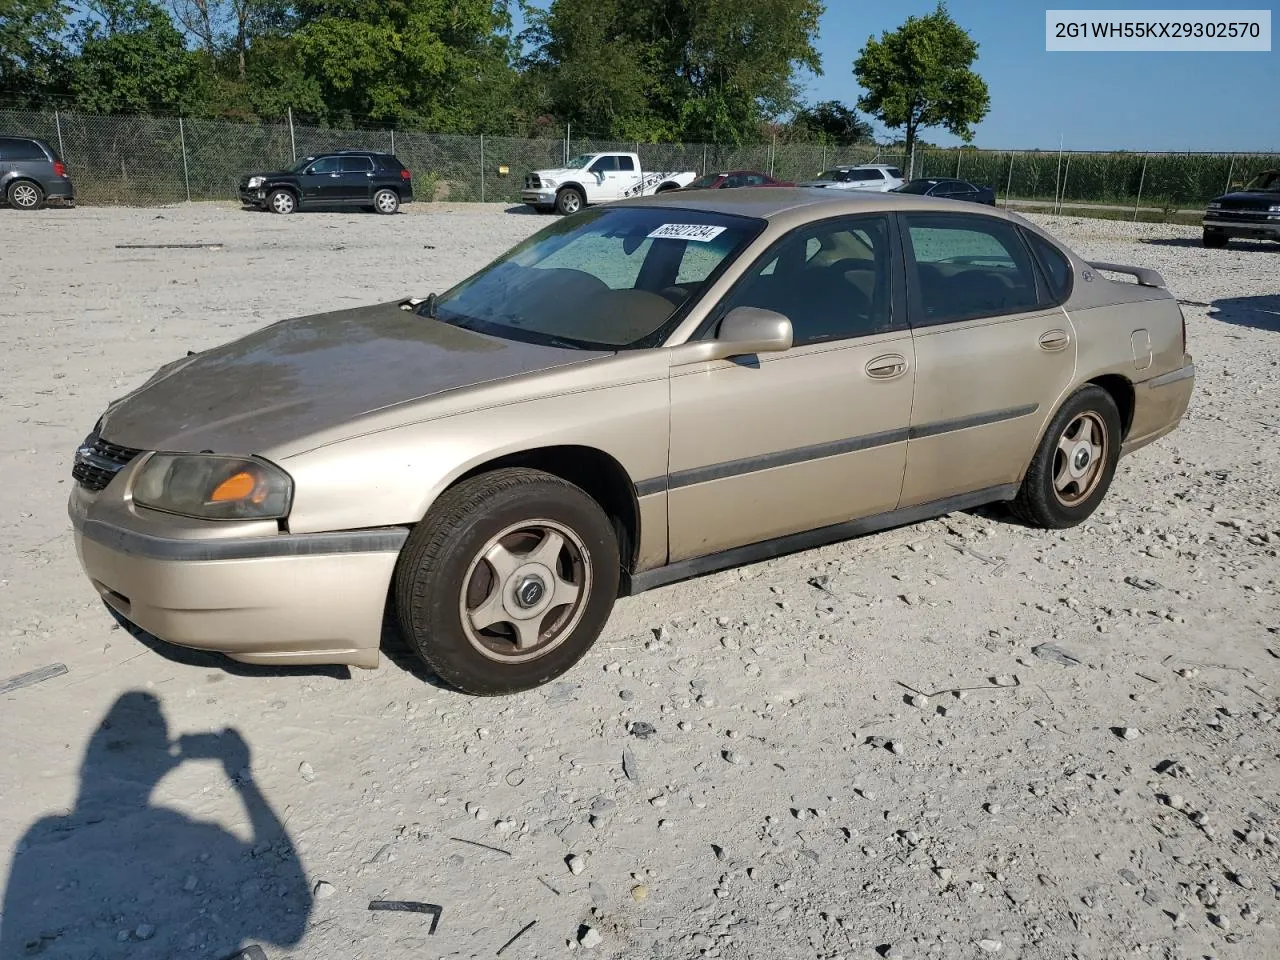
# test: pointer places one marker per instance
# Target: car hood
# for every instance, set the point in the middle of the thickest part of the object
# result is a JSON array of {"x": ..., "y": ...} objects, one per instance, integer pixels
[
  {"x": 269, "y": 174},
  {"x": 1253, "y": 198},
  {"x": 818, "y": 183},
  {"x": 560, "y": 172},
  {"x": 294, "y": 378}
]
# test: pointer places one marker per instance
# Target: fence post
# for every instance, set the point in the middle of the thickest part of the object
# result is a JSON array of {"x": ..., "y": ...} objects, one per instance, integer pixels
[
  {"x": 824, "y": 157},
  {"x": 1141, "y": 180},
  {"x": 1066, "y": 173},
  {"x": 911, "y": 167},
  {"x": 567, "y": 128},
  {"x": 393, "y": 141},
  {"x": 1057, "y": 180},
  {"x": 959, "y": 154},
  {"x": 482, "y": 168},
  {"x": 186, "y": 174},
  {"x": 773, "y": 149},
  {"x": 1008, "y": 183},
  {"x": 293, "y": 144},
  {"x": 57, "y": 122},
  {"x": 1230, "y": 170},
  {"x": 703, "y": 171}
]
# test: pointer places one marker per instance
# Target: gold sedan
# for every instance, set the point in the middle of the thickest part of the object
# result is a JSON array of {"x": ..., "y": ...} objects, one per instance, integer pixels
[{"x": 643, "y": 392}]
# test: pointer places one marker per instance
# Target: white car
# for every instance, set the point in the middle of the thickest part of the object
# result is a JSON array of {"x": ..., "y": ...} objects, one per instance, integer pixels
[
  {"x": 598, "y": 178},
  {"x": 878, "y": 178}
]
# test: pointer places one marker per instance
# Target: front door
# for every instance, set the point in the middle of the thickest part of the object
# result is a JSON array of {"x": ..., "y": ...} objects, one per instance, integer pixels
[
  {"x": 994, "y": 354},
  {"x": 604, "y": 182},
  {"x": 780, "y": 443},
  {"x": 355, "y": 185},
  {"x": 319, "y": 181}
]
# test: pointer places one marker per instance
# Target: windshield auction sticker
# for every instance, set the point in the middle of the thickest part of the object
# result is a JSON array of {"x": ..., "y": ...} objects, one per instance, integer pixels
[
  {"x": 1169, "y": 30},
  {"x": 701, "y": 232}
]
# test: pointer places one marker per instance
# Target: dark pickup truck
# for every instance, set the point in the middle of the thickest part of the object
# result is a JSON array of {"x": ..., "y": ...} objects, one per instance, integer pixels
[
  {"x": 1252, "y": 213},
  {"x": 356, "y": 178},
  {"x": 948, "y": 189}
]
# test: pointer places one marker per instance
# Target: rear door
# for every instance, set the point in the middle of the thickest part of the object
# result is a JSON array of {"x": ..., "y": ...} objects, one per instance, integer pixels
[
  {"x": 355, "y": 185},
  {"x": 867, "y": 178},
  {"x": 780, "y": 443},
  {"x": 994, "y": 351}
]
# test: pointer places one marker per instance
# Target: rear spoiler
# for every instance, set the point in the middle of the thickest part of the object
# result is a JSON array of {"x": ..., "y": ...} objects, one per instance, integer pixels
[{"x": 1145, "y": 277}]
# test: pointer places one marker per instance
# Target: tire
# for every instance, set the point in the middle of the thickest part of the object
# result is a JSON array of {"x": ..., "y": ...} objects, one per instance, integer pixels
[
  {"x": 282, "y": 201},
  {"x": 386, "y": 201},
  {"x": 570, "y": 200},
  {"x": 460, "y": 618},
  {"x": 25, "y": 195},
  {"x": 1214, "y": 239},
  {"x": 1056, "y": 493}
]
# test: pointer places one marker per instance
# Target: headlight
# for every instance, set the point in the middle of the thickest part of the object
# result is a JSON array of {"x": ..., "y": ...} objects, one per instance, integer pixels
[
  {"x": 1215, "y": 205},
  {"x": 213, "y": 487},
  {"x": 548, "y": 183},
  {"x": 1274, "y": 208},
  {"x": 255, "y": 182}
]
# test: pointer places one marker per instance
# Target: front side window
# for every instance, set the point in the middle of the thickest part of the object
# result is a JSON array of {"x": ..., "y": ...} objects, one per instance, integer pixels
[
  {"x": 606, "y": 279},
  {"x": 968, "y": 267},
  {"x": 705, "y": 182},
  {"x": 605, "y": 165},
  {"x": 918, "y": 187},
  {"x": 325, "y": 165},
  {"x": 866, "y": 173},
  {"x": 832, "y": 280},
  {"x": 356, "y": 165}
]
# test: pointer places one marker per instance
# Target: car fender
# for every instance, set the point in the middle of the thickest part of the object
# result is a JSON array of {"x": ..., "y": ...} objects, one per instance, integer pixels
[{"x": 572, "y": 183}]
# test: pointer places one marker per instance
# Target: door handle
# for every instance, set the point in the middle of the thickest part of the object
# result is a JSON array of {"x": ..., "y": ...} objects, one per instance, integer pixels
[
  {"x": 887, "y": 367},
  {"x": 1054, "y": 340},
  {"x": 335, "y": 174}
]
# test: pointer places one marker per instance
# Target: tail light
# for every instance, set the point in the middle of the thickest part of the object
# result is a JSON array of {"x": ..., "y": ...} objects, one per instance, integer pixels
[
  {"x": 59, "y": 168},
  {"x": 405, "y": 175}
]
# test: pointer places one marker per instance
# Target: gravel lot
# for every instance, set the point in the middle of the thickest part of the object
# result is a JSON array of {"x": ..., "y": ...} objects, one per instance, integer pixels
[{"x": 1126, "y": 803}]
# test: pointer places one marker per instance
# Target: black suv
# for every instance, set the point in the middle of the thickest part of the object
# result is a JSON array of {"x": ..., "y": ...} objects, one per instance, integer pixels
[
  {"x": 357, "y": 178},
  {"x": 1253, "y": 212},
  {"x": 31, "y": 172}
]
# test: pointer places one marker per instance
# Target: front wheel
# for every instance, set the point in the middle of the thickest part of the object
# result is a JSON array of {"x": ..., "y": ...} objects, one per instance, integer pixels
[
  {"x": 570, "y": 200},
  {"x": 282, "y": 201},
  {"x": 507, "y": 582},
  {"x": 1073, "y": 467},
  {"x": 386, "y": 201}
]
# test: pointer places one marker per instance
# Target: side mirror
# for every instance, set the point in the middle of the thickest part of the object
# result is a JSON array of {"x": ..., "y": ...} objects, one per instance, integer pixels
[{"x": 748, "y": 330}]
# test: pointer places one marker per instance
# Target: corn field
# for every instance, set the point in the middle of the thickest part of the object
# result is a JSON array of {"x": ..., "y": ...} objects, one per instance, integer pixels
[{"x": 147, "y": 161}]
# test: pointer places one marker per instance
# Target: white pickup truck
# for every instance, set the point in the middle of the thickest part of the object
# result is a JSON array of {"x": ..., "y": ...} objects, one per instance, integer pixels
[{"x": 598, "y": 178}]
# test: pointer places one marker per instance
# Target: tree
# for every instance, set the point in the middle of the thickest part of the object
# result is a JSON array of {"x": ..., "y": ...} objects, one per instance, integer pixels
[
  {"x": 32, "y": 54},
  {"x": 919, "y": 76},
  {"x": 132, "y": 60},
  {"x": 832, "y": 122}
]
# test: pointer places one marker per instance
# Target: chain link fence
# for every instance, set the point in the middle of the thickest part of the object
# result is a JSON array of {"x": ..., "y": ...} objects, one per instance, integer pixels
[{"x": 147, "y": 161}]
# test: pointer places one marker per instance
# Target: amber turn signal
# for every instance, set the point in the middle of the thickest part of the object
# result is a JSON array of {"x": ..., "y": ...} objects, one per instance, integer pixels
[{"x": 238, "y": 486}]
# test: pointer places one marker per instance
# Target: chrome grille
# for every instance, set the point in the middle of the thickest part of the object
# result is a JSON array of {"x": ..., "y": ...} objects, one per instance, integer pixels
[{"x": 98, "y": 460}]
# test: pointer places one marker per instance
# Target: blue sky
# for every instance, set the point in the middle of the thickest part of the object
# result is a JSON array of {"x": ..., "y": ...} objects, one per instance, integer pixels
[{"x": 1133, "y": 101}]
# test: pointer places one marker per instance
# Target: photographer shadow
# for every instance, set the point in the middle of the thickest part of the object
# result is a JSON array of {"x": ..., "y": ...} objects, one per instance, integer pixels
[{"x": 119, "y": 877}]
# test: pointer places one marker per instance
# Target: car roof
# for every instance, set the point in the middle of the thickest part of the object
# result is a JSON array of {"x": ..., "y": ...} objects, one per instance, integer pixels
[{"x": 795, "y": 205}]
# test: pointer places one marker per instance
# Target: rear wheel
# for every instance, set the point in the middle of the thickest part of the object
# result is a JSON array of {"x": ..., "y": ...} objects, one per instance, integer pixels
[
  {"x": 1214, "y": 238},
  {"x": 282, "y": 201},
  {"x": 570, "y": 200},
  {"x": 507, "y": 582},
  {"x": 25, "y": 195},
  {"x": 1073, "y": 467},
  {"x": 386, "y": 201}
]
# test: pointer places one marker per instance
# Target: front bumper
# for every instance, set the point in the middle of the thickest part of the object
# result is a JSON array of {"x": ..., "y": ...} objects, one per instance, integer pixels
[
  {"x": 1257, "y": 227},
  {"x": 544, "y": 197},
  {"x": 253, "y": 198},
  {"x": 268, "y": 599}
]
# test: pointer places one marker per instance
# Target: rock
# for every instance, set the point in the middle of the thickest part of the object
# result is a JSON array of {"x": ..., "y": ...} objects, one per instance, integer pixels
[
  {"x": 629, "y": 766},
  {"x": 190, "y": 883},
  {"x": 918, "y": 700},
  {"x": 1126, "y": 733},
  {"x": 1056, "y": 654},
  {"x": 1219, "y": 921},
  {"x": 1005, "y": 680},
  {"x": 1175, "y": 801},
  {"x": 323, "y": 890},
  {"x": 306, "y": 772},
  {"x": 990, "y": 946},
  {"x": 641, "y": 729},
  {"x": 896, "y": 748},
  {"x": 575, "y": 863},
  {"x": 640, "y": 893},
  {"x": 731, "y": 756},
  {"x": 590, "y": 937},
  {"x": 943, "y": 873},
  {"x": 144, "y": 931}
]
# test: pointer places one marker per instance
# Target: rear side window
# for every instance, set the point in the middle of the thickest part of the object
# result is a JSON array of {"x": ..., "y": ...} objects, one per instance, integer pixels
[
  {"x": 1057, "y": 268},
  {"x": 356, "y": 164},
  {"x": 626, "y": 163},
  {"x": 22, "y": 150},
  {"x": 968, "y": 267},
  {"x": 866, "y": 173},
  {"x": 895, "y": 173}
]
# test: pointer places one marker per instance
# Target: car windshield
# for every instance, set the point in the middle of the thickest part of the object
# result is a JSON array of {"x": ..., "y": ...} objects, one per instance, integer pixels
[
  {"x": 916, "y": 186},
  {"x": 606, "y": 279},
  {"x": 300, "y": 165},
  {"x": 703, "y": 182},
  {"x": 581, "y": 160},
  {"x": 1268, "y": 182},
  {"x": 836, "y": 176}
]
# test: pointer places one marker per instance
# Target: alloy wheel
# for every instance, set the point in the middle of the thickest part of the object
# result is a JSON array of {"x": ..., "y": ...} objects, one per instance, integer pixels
[{"x": 1079, "y": 460}]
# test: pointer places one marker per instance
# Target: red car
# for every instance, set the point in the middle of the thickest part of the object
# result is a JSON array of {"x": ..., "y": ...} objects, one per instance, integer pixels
[{"x": 737, "y": 178}]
